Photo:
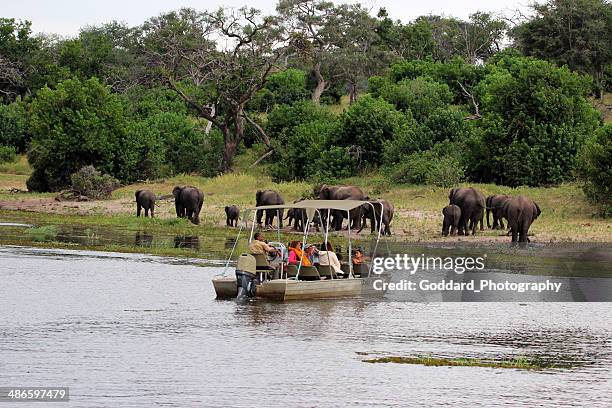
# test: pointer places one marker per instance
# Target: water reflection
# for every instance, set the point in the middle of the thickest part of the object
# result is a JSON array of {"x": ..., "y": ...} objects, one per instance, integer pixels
[
  {"x": 143, "y": 239},
  {"x": 187, "y": 241}
]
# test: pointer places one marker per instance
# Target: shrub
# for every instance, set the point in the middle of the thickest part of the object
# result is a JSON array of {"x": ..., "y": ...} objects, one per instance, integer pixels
[
  {"x": 367, "y": 125},
  {"x": 595, "y": 168},
  {"x": 91, "y": 183},
  {"x": 7, "y": 154},
  {"x": 535, "y": 119},
  {"x": 333, "y": 163},
  {"x": 145, "y": 102},
  {"x": 13, "y": 126},
  {"x": 282, "y": 88},
  {"x": 75, "y": 125},
  {"x": 421, "y": 96},
  {"x": 283, "y": 119},
  {"x": 428, "y": 167},
  {"x": 296, "y": 159}
]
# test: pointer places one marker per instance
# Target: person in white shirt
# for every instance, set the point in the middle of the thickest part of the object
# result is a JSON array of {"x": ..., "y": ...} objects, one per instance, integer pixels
[{"x": 327, "y": 257}]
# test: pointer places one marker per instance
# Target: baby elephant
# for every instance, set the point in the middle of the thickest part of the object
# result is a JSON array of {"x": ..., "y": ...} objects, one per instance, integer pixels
[
  {"x": 452, "y": 214},
  {"x": 145, "y": 199},
  {"x": 232, "y": 213}
]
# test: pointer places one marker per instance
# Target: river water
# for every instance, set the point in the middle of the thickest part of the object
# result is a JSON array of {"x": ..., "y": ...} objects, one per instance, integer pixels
[{"x": 139, "y": 331}]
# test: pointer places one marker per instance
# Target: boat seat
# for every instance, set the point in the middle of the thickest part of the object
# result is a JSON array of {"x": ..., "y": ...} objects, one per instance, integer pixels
[
  {"x": 262, "y": 263},
  {"x": 360, "y": 270},
  {"x": 326, "y": 271},
  {"x": 306, "y": 272}
]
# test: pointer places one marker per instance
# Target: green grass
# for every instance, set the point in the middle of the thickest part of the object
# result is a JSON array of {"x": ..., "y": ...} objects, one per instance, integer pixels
[
  {"x": 521, "y": 362},
  {"x": 43, "y": 233},
  {"x": 20, "y": 166}
]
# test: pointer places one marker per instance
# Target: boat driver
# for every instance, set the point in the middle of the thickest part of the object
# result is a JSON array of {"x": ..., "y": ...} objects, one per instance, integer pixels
[{"x": 260, "y": 247}]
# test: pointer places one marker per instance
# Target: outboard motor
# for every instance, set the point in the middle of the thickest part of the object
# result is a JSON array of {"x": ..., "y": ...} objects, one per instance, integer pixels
[{"x": 246, "y": 270}]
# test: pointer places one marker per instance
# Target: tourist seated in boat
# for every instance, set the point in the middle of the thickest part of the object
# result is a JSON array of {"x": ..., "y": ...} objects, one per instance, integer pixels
[
  {"x": 358, "y": 258},
  {"x": 327, "y": 257},
  {"x": 260, "y": 247},
  {"x": 312, "y": 253},
  {"x": 296, "y": 254}
]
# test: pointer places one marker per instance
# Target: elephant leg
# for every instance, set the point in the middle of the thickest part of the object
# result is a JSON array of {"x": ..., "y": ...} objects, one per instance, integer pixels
[
  {"x": 138, "y": 209},
  {"x": 152, "y": 210},
  {"x": 474, "y": 225},
  {"x": 146, "y": 212},
  {"x": 259, "y": 215},
  {"x": 524, "y": 231}
]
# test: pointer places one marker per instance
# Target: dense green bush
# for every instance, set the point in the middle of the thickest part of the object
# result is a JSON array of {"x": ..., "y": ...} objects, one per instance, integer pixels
[
  {"x": 535, "y": 119},
  {"x": 333, "y": 163},
  {"x": 595, "y": 168},
  {"x": 144, "y": 102},
  {"x": 367, "y": 125},
  {"x": 282, "y": 88},
  {"x": 75, "y": 125},
  {"x": 454, "y": 73},
  {"x": 296, "y": 159},
  {"x": 91, "y": 183},
  {"x": 169, "y": 143},
  {"x": 421, "y": 96},
  {"x": 7, "y": 154},
  {"x": 283, "y": 119},
  {"x": 13, "y": 126},
  {"x": 428, "y": 167}
]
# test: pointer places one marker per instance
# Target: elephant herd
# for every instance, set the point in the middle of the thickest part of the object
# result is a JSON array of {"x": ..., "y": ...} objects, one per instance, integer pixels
[
  {"x": 188, "y": 202},
  {"x": 466, "y": 209}
]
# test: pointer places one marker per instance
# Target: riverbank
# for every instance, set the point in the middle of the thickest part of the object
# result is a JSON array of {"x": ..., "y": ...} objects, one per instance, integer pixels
[{"x": 566, "y": 215}]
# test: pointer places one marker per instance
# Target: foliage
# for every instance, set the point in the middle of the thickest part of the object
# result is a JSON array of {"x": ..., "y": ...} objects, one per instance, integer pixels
[
  {"x": 595, "y": 168},
  {"x": 13, "y": 126},
  {"x": 420, "y": 96},
  {"x": 91, "y": 183},
  {"x": 144, "y": 102},
  {"x": 367, "y": 125},
  {"x": 297, "y": 159},
  {"x": 75, "y": 125},
  {"x": 455, "y": 73},
  {"x": 576, "y": 33},
  {"x": 332, "y": 164},
  {"x": 536, "y": 117},
  {"x": 7, "y": 154},
  {"x": 283, "y": 119},
  {"x": 428, "y": 167},
  {"x": 282, "y": 88}
]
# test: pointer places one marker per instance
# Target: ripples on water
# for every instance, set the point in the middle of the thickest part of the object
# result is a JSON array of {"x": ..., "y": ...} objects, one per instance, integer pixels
[{"x": 134, "y": 330}]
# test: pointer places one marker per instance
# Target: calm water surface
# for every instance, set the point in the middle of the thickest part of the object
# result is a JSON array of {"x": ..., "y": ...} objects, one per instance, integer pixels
[{"x": 139, "y": 331}]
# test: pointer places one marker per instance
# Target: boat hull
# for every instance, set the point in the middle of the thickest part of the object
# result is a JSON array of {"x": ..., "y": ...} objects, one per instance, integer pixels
[{"x": 288, "y": 289}]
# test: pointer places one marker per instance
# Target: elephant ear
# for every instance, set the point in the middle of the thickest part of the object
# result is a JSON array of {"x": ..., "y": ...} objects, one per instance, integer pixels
[
  {"x": 538, "y": 211},
  {"x": 176, "y": 191}
]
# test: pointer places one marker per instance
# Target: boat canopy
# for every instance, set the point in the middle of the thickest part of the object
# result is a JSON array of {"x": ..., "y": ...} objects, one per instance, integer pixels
[{"x": 343, "y": 205}]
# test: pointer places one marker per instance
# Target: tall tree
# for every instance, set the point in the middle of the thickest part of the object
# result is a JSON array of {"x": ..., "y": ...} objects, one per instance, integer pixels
[
  {"x": 335, "y": 41},
  {"x": 216, "y": 62},
  {"x": 577, "y": 33}
]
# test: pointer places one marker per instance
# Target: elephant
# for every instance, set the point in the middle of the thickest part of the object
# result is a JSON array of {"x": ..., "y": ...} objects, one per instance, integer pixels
[
  {"x": 495, "y": 204},
  {"x": 372, "y": 212},
  {"x": 269, "y": 197},
  {"x": 188, "y": 202},
  {"x": 327, "y": 192},
  {"x": 452, "y": 215},
  {"x": 520, "y": 212},
  {"x": 472, "y": 205},
  {"x": 145, "y": 199},
  {"x": 298, "y": 217},
  {"x": 232, "y": 214}
]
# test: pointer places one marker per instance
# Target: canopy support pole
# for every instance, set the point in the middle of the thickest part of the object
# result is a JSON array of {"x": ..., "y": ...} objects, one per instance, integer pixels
[{"x": 350, "y": 249}]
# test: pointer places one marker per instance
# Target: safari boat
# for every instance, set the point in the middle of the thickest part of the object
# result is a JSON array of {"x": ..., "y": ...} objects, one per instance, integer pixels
[{"x": 293, "y": 282}]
